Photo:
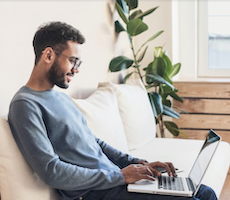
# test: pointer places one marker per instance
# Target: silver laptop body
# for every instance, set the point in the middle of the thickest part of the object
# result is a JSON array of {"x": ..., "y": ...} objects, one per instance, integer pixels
[{"x": 182, "y": 186}]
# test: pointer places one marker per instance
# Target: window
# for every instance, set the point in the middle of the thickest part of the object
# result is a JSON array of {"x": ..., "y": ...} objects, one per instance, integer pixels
[{"x": 213, "y": 38}]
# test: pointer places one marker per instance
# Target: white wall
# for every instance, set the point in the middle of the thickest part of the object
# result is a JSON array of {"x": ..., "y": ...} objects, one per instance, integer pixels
[
  {"x": 160, "y": 19},
  {"x": 185, "y": 37},
  {"x": 20, "y": 19}
]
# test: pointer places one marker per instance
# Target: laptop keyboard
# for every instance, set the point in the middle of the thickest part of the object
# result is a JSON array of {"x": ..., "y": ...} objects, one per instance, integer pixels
[{"x": 170, "y": 183}]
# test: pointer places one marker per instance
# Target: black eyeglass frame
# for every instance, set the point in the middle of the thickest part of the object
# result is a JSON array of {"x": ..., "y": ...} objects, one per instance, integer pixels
[{"x": 77, "y": 62}]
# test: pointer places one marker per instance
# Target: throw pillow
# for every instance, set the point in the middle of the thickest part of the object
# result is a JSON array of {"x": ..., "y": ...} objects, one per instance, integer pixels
[
  {"x": 136, "y": 112},
  {"x": 102, "y": 115}
]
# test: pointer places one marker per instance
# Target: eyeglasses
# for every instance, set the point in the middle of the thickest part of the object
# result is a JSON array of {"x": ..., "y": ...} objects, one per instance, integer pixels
[{"x": 73, "y": 60}]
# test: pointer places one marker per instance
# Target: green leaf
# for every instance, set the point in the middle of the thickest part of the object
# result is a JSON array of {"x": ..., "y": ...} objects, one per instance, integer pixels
[
  {"x": 167, "y": 88},
  {"x": 176, "y": 97},
  {"x": 136, "y": 26},
  {"x": 127, "y": 77},
  {"x": 121, "y": 13},
  {"x": 160, "y": 66},
  {"x": 118, "y": 27},
  {"x": 156, "y": 67},
  {"x": 184, "y": 134},
  {"x": 173, "y": 94},
  {"x": 120, "y": 63},
  {"x": 166, "y": 77},
  {"x": 167, "y": 102},
  {"x": 142, "y": 55},
  {"x": 152, "y": 105},
  {"x": 158, "y": 52},
  {"x": 134, "y": 14},
  {"x": 172, "y": 127},
  {"x": 154, "y": 36},
  {"x": 146, "y": 13},
  {"x": 132, "y": 4},
  {"x": 123, "y": 5},
  {"x": 168, "y": 64},
  {"x": 150, "y": 39},
  {"x": 170, "y": 112},
  {"x": 158, "y": 79},
  {"x": 167, "y": 91},
  {"x": 175, "y": 70},
  {"x": 157, "y": 101}
]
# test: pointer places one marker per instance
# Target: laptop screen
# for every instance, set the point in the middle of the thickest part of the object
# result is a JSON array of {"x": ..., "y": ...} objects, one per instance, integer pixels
[{"x": 203, "y": 159}]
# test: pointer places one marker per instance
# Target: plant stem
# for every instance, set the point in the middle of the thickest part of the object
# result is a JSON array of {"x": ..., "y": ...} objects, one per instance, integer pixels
[
  {"x": 161, "y": 125},
  {"x": 135, "y": 58},
  {"x": 160, "y": 118}
]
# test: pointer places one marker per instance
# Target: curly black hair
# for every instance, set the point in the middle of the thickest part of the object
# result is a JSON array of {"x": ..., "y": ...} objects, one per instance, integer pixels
[{"x": 55, "y": 35}]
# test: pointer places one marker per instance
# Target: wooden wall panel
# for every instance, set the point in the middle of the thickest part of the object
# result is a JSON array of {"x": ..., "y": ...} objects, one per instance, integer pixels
[
  {"x": 206, "y": 106},
  {"x": 199, "y": 121},
  {"x": 203, "y": 89},
  {"x": 201, "y": 134},
  {"x": 210, "y": 106}
]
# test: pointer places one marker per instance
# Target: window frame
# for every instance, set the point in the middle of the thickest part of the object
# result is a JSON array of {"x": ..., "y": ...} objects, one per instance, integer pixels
[{"x": 202, "y": 45}]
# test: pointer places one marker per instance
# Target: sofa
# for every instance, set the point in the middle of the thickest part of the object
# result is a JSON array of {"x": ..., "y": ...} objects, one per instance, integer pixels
[{"x": 121, "y": 115}]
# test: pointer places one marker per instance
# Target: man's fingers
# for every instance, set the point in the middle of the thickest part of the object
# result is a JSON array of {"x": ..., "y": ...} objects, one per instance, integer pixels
[
  {"x": 155, "y": 172},
  {"x": 149, "y": 171},
  {"x": 133, "y": 173},
  {"x": 136, "y": 172},
  {"x": 172, "y": 169},
  {"x": 168, "y": 166},
  {"x": 146, "y": 173}
]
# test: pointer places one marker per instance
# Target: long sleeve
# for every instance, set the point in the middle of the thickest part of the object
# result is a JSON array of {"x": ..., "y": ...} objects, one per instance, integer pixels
[
  {"x": 117, "y": 157},
  {"x": 30, "y": 134},
  {"x": 55, "y": 140}
]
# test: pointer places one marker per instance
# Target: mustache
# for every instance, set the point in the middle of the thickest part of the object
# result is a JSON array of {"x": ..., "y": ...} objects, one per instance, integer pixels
[{"x": 70, "y": 74}]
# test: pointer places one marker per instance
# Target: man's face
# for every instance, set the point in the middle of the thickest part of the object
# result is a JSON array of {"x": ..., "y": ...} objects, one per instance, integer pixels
[{"x": 62, "y": 72}]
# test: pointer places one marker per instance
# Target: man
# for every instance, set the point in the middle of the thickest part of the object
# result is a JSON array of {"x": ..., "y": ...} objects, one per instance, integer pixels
[{"x": 53, "y": 135}]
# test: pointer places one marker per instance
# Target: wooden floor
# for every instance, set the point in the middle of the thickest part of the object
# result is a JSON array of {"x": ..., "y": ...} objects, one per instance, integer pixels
[{"x": 225, "y": 194}]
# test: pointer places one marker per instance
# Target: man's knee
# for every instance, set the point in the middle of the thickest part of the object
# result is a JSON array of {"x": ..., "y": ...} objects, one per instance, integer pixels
[{"x": 206, "y": 193}]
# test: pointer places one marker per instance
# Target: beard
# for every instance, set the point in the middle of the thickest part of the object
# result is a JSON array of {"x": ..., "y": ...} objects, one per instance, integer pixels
[{"x": 57, "y": 76}]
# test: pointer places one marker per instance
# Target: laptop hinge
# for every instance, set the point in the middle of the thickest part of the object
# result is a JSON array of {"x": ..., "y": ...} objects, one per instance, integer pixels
[{"x": 191, "y": 185}]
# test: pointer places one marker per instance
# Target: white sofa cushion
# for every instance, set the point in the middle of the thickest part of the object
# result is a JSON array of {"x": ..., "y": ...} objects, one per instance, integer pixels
[
  {"x": 136, "y": 112},
  {"x": 102, "y": 115},
  {"x": 18, "y": 181}
]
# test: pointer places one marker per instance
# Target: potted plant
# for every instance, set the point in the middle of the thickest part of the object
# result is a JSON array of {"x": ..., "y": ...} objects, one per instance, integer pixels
[{"x": 157, "y": 76}]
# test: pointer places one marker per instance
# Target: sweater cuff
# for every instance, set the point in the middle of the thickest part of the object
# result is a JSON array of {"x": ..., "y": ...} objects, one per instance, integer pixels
[{"x": 143, "y": 162}]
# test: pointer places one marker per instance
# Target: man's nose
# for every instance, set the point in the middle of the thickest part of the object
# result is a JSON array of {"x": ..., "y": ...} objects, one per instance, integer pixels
[{"x": 75, "y": 70}]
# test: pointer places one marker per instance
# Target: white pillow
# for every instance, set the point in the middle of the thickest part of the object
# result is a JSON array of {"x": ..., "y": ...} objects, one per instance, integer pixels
[
  {"x": 17, "y": 179},
  {"x": 102, "y": 115},
  {"x": 136, "y": 112}
]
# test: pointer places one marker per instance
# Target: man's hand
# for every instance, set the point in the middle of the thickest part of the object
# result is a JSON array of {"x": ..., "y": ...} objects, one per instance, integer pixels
[
  {"x": 168, "y": 166},
  {"x": 136, "y": 172}
]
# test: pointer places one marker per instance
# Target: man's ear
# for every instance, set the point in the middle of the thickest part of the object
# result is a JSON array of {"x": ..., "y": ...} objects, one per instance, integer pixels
[{"x": 48, "y": 55}]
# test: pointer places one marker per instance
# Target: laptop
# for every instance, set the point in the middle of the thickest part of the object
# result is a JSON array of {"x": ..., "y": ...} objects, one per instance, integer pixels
[{"x": 182, "y": 186}]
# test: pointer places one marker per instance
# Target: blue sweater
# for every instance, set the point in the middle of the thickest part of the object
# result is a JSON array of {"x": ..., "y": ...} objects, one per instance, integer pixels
[{"x": 53, "y": 136}]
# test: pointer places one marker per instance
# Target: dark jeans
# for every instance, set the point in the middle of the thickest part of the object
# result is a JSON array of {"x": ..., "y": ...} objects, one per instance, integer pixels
[{"x": 121, "y": 193}]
